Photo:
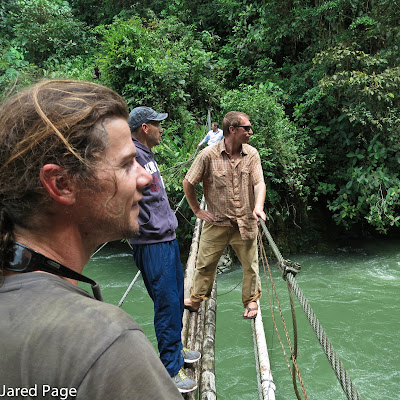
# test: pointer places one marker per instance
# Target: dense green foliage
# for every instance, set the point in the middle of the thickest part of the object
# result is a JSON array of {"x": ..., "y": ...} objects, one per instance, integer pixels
[{"x": 320, "y": 81}]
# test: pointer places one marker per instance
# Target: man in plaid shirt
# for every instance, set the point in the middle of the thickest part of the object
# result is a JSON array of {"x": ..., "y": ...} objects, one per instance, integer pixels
[{"x": 234, "y": 190}]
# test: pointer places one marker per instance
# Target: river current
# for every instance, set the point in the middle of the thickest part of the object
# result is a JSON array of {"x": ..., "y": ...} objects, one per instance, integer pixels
[{"x": 354, "y": 292}]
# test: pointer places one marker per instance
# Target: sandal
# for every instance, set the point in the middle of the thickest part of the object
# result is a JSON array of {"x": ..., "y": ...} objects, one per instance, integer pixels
[
  {"x": 189, "y": 307},
  {"x": 249, "y": 309}
]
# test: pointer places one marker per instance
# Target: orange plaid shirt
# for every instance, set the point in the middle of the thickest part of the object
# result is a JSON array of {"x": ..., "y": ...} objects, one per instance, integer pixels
[{"x": 228, "y": 185}]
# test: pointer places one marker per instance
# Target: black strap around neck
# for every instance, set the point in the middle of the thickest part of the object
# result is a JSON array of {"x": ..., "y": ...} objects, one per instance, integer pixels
[{"x": 28, "y": 260}]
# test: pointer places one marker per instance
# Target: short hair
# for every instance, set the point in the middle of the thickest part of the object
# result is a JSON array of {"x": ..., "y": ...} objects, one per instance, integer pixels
[
  {"x": 231, "y": 119},
  {"x": 215, "y": 123},
  {"x": 51, "y": 122}
]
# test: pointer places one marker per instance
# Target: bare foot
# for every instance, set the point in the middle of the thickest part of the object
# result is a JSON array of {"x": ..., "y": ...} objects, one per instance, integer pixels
[
  {"x": 190, "y": 305},
  {"x": 251, "y": 310}
]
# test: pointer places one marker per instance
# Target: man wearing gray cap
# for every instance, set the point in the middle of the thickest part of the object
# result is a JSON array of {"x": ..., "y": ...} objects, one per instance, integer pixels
[{"x": 156, "y": 252}]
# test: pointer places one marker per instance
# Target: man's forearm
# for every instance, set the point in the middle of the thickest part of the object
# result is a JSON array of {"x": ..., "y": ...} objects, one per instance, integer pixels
[
  {"x": 259, "y": 194},
  {"x": 190, "y": 194}
]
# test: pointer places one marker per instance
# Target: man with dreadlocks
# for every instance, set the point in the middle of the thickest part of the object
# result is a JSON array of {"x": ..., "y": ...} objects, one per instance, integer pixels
[{"x": 69, "y": 181}]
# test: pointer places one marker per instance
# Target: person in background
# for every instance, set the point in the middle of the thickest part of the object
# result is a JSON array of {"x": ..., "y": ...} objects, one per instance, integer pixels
[
  {"x": 234, "y": 189},
  {"x": 156, "y": 251},
  {"x": 213, "y": 136},
  {"x": 69, "y": 181}
]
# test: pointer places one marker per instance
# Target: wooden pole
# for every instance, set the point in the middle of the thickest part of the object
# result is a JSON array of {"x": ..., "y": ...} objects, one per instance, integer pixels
[
  {"x": 190, "y": 266},
  {"x": 199, "y": 329},
  {"x": 199, "y": 333},
  {"x": 208, "y": 389},
  {"x": 265, "y": 380}
]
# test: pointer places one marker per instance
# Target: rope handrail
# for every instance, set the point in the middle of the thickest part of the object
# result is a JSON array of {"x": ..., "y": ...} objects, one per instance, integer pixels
[
  {"x": 289, "y": 275},
  {"x": 129, "y": 289},
  {"x": 293, "y": 350},
  {"x": 337, "y": 365}
]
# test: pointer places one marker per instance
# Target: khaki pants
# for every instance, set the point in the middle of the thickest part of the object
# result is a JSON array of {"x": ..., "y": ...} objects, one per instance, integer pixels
[{"x": 212, "y": 244}]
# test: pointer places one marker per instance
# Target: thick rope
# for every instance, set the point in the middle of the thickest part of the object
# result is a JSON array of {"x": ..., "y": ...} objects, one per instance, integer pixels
[
  {"x": 289, "y": 275},
  {"x": 293, "y": 353},
  {"x": 341, "y": 373}
]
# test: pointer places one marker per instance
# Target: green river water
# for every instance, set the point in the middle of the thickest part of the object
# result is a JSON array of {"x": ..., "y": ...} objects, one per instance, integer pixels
[{"x": 354, "y": 292}]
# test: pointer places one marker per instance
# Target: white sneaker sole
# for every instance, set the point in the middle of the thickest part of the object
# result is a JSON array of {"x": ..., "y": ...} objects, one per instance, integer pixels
[
  {"x": 191, "y": 361},
  {"x": 187, "y": 390}
]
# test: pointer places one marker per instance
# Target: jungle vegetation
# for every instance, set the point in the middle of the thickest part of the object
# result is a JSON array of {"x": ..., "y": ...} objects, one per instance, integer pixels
[{"x": 319, "y": 79}]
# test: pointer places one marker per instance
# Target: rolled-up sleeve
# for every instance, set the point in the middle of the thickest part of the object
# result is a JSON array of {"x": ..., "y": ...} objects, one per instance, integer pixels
[
  {"x": 197, "y": 169},
  {"x": 256, "y": 170}
]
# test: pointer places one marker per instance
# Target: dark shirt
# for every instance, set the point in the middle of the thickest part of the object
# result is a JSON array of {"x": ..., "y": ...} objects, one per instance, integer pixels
[
  {"x": 156, "y": 219},
  {"x": 55, "y": 335}
]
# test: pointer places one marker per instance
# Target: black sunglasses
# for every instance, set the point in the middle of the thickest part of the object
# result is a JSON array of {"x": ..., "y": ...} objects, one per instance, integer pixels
[
  {"x": 28, "y": 260},
  {"x": 245, "y": 127}
]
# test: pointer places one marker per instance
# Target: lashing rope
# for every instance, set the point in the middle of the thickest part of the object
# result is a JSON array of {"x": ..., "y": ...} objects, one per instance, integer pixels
[
  {"x": 289, "y": 271},
  {"x": 293, "y": 352}
]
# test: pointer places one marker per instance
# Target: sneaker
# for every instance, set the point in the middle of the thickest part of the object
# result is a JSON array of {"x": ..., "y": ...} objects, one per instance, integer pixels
[
  {"x": 190, "y": 356},
  {"x": 183, "y": 383}
]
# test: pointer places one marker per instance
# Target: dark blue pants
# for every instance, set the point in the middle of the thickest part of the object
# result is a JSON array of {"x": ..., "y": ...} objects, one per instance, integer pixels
[{"x": 162, "y": 273}]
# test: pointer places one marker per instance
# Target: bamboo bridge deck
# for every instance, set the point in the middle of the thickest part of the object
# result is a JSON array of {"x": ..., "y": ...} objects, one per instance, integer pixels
[{"x": 199, "y": 333}]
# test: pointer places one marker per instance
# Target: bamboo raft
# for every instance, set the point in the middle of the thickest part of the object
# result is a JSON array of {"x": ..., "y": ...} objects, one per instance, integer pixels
[{"x": 199, "y": 333}]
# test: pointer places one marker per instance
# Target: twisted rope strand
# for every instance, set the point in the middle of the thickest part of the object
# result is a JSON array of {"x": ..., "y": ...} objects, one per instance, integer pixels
[
  {"x": 340, "y": 372},
  {"x": 293, "y": 354}
]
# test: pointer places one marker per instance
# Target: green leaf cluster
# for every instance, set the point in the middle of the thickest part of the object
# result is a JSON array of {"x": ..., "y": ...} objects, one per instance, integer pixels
[
  {"x": 355, "y": 111},
  {"x": 38, "y": 37},
  {"x": 159, "y": 63},
  {"x": 319, "y": 79},
  {"x": 280, "y": 144}
]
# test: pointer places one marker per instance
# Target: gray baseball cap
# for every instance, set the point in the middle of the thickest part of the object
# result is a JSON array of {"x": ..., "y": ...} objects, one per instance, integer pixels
[{"x": 141, "y": 115}]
